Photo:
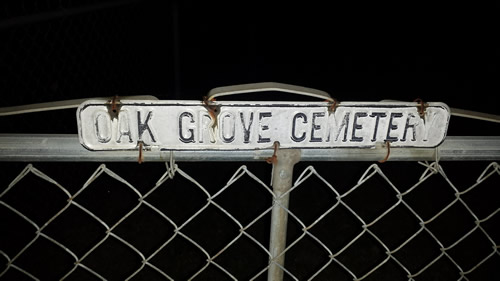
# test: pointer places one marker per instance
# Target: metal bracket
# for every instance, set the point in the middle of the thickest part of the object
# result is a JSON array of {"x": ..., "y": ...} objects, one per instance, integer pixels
[
  {"x": 268, "y": 86},
  {"x": 57, "y": 105}
]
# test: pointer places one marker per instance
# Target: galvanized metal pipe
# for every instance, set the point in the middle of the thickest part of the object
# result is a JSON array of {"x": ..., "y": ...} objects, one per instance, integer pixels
[
  {"x": 59, "y": 13},
  {"x": 51, "y": 148},
  {"x": 282, "y": 182}
]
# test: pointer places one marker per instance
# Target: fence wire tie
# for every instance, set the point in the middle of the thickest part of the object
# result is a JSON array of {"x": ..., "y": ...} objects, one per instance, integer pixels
[
  {"x": 421, "y": 107},
  {"x": 172, "y": 168},
  {"x": 436, "y": 160},
  {"x": 438, "y": 156},
  {"x": 332, "y": 105},
  {"x": 274, "y": 159},
  {"x": 388, "y": 146},
  {"x": 493, "y": 166},
  {"x": 432, "y": 167},
  {"x": 140, "y": 160},
  {"x": 213, "y": 110},
  {"x": 114, "y": 107}
]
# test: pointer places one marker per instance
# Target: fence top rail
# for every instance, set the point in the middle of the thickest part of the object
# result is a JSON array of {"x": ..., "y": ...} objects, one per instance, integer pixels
[{"x": 56, "y": 148}]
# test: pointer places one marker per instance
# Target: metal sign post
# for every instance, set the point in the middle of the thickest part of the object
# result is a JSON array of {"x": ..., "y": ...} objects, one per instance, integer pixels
[{"x": 282, "y": 182}]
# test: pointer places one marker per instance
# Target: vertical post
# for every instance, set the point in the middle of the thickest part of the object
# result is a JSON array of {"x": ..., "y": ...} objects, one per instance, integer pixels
[{"x": 282, "y": 182}]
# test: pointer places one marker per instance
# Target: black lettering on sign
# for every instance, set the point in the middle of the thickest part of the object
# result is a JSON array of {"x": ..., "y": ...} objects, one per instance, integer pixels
[
  {"x": 103, "y": 127},
  {"x": 316, "y": 127},
  {"x": 392, "y": 127},
  {"x": 143, "y": 126},
  {"x": 377, "y": 116},
  {"x": 263, "y": 126},
  {"x": 204, "y": 128},
  {"x": 225, "y": 127},
  {"x": 408, "y": 126},
  {"x": 182, "y": 136},
  {"x": 123, "y": 127},
  {"x": 246, "y": 129},
  {"x": 344, "y": 125},
  {"x": 357, "y": 126},
  {"x": 294, "y": 136}
]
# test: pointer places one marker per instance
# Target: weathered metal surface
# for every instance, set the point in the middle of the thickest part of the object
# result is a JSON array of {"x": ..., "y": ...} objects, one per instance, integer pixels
[
  {"x": 188, "y": 125},
  {"x": 282, "y": 183},
  {"x": 51, "y": 148}
]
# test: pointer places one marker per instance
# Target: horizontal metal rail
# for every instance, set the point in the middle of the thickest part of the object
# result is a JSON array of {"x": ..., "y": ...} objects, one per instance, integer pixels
[
  {"x": 60, "y": 12},
  {"x": 51, "y": 148}
]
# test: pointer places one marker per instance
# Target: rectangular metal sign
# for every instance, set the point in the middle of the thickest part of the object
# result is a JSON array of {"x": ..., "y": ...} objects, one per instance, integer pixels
[{"x": 188, "y": 125}]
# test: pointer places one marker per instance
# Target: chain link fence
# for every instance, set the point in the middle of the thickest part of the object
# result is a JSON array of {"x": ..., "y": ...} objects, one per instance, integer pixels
[
  {"x": 205, "y": 220},
  {"x": 56, "y": 50},
  {"x": 397, "y": 221}
]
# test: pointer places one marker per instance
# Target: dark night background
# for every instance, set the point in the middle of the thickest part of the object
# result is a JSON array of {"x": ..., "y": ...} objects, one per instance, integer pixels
[{"x": 58, "y": 50}]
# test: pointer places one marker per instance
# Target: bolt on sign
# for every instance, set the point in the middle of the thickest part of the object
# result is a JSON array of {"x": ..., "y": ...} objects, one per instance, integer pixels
[{"x": 189, "y": 125}]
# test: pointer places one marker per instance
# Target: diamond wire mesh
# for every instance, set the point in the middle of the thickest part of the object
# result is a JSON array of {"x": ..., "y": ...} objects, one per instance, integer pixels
[
  {"x": 318, "y": 245},
  {"x": 67, "y": 49}
]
